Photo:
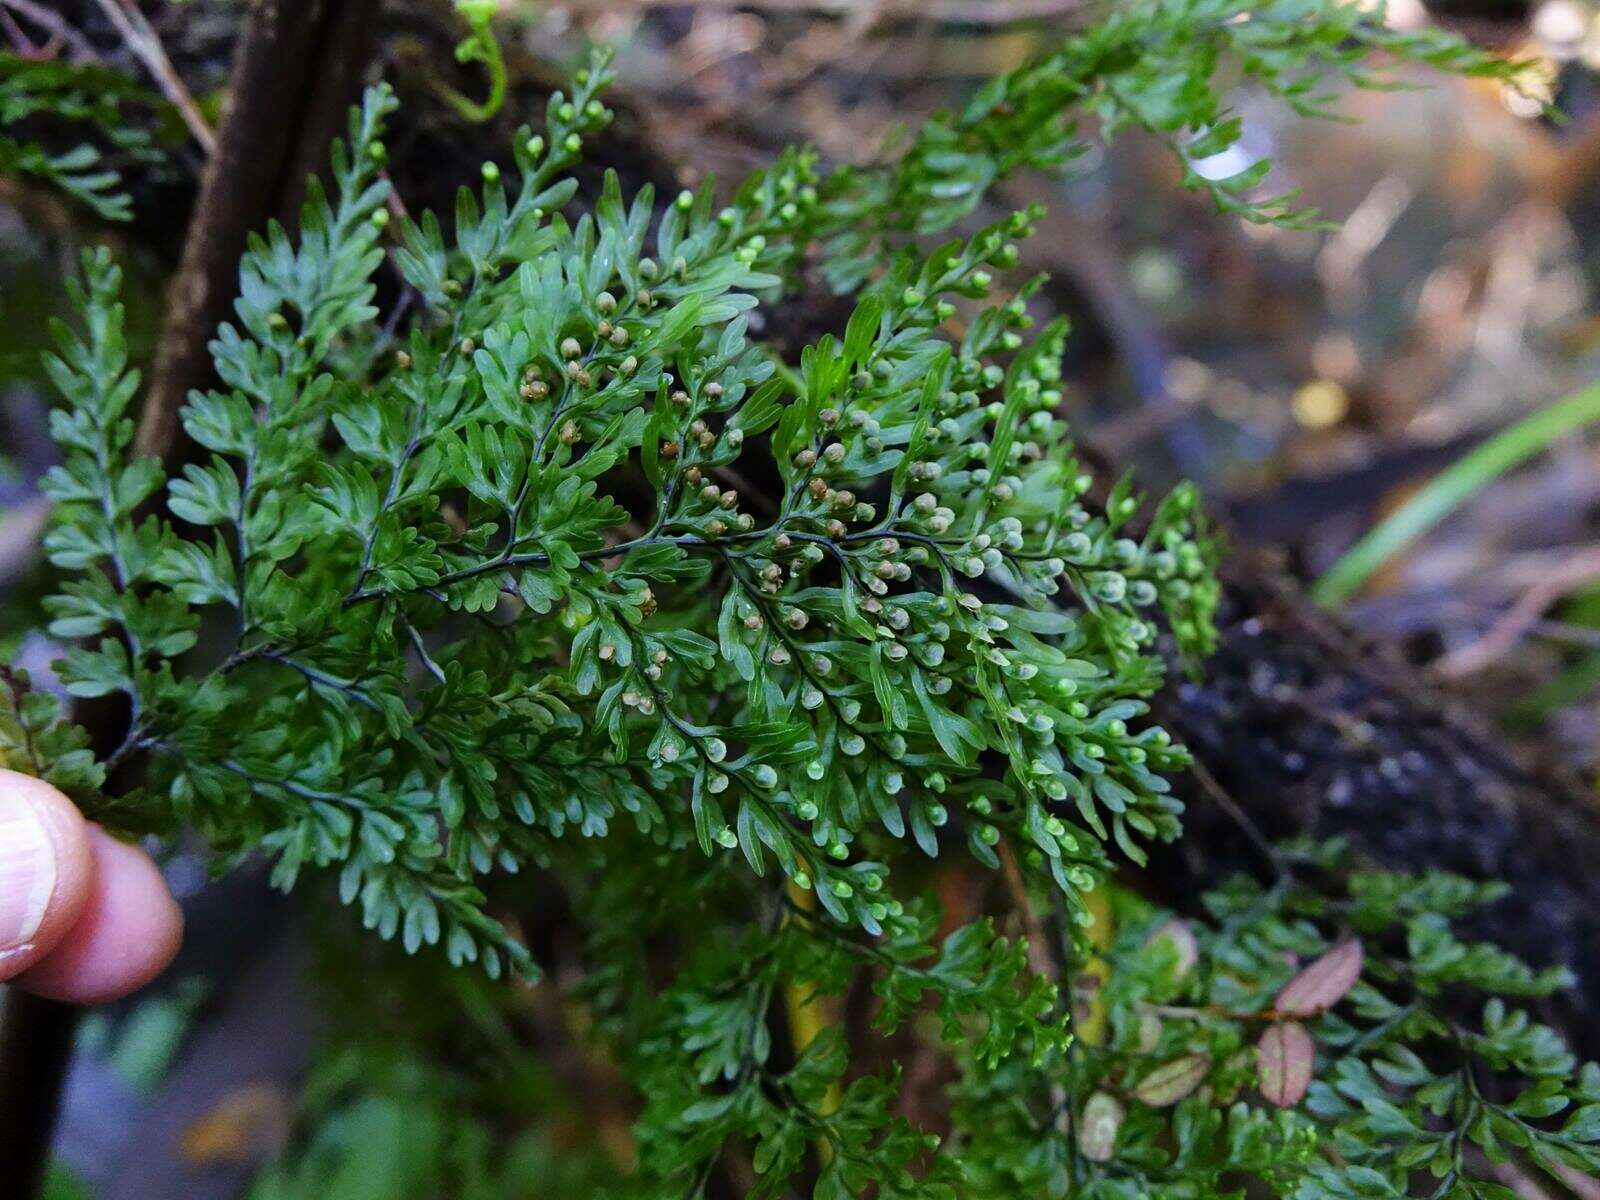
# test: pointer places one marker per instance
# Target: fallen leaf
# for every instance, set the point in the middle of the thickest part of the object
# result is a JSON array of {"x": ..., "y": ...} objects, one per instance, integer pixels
[
  {"x": 1285, "y": 1056},
  {"x": 1098, "y": 1126},
  {"x": 248, "y": 1125},
  {"x": 1322, "y": 983},
  {"x": 1172, "y": 1081}
]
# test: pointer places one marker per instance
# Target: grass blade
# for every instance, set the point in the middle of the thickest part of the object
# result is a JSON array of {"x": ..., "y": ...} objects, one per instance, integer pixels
[{"x": 1452, "y": 487}]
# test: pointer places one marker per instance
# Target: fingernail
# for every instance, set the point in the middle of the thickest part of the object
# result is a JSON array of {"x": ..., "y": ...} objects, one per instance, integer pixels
[{"x": 27, "y": 872}]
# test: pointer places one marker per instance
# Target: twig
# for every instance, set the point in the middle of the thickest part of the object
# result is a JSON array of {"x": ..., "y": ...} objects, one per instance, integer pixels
[
  {"x": 1040, "y": 959},
  {"x": 146, "y": 46},
  {"x": 22, "y": 44},
  {"x": 54, "y": 24},
  {"x": 280, "y": 52},
  {"x": 964, "y": 12},
  {"x": 1252, "y": 832},
  {"x": 1521, "y": 618}
]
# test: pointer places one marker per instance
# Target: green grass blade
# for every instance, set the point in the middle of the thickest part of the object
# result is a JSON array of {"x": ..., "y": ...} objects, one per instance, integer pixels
[{"x": 1448, "y": 490}]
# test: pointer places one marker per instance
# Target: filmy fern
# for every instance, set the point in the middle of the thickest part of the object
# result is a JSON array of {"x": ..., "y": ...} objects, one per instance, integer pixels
[{"x": 484, "y": 589}]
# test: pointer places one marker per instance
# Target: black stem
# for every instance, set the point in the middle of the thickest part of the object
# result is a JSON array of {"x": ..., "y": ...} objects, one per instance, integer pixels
[{"x": 35, "y": 1051}]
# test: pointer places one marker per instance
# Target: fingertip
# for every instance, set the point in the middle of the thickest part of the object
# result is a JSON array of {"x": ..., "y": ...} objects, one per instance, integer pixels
[
  {"x": 46, "y": 870},
  {"x": 128, "y": 932}
]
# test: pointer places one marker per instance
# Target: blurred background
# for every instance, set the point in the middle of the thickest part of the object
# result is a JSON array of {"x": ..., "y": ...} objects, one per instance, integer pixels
[{"x": 1417, "y": 368}]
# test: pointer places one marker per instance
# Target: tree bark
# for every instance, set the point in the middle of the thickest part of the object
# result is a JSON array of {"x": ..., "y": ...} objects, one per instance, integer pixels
[{"x": 293, "y": 56}]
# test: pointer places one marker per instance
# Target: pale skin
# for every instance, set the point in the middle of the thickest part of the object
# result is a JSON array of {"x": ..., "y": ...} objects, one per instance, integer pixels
[{"x": 84, "y": 917}]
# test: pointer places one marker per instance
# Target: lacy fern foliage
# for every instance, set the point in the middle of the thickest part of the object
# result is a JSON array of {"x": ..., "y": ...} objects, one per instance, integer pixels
[
  {"x": 451, "y": 643},
  {"x": 554, "y": 565}
]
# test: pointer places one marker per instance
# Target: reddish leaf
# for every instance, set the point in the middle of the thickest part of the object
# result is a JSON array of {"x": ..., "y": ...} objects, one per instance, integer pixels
[
  {"x": 1098, "y": 1125},
  {"x": 1172, "y": 1081},
  {"x": 1284, "y": 1058},
  {"x": 1322, "y": 984}
]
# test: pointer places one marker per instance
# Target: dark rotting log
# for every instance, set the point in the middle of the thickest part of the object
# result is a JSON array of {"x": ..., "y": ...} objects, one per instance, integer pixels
[
  {"x": 280, "y": 58},
  {"x": 1314, "y": 730}
]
